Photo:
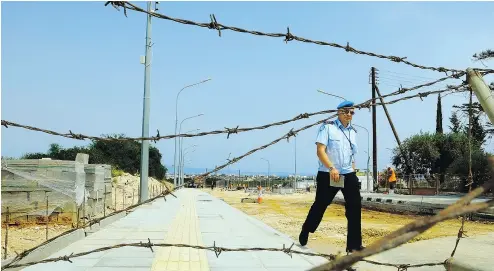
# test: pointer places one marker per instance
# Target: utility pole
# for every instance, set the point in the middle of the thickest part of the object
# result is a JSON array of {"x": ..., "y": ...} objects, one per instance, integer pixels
[
  {"x": 143, "y": 195},
  {"x": 374, "y": 132}
]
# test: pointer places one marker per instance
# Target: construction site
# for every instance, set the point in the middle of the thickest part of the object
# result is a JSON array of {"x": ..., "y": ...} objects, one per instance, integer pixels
[{"x": 431, "y": 207}]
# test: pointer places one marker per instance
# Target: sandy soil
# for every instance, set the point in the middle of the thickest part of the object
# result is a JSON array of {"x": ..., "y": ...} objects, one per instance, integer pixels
[
  {"x": 22, "y": 237},
  {"x": 286, "y": 213},
  {"x": 127, "y": 189},
  {"x": 28, "y": 235}
]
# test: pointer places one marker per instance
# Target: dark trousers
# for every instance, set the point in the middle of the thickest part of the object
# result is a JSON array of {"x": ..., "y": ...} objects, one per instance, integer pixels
[{"x": 325, "y": 195}]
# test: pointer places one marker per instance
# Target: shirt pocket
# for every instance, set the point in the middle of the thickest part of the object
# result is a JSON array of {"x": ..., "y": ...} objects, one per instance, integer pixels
[{"x": 335, "y": 145}]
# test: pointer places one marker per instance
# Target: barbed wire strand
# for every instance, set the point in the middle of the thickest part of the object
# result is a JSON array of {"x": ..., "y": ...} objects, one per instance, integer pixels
[
  {"x": 392, "y": 240},
  {"x": 294, "y": 132},
  {"x": 236, "y": 130},
  {"x": 23, "y": 254},
  {"x": 288, "y": 36}
]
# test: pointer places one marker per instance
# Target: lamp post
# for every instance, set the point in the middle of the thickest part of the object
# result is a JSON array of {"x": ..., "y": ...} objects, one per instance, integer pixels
[
  {"x": 180, "y": 152},
  {"x": 182, "y": 171},
  {"x": 295, "y": 181},
  {"x": 229, "y": 180},
  {"x": 180, "y": 129},
  {"x": 368, "y": 156},
  {"x": 176, "y": 122},
  {"x": 320, "y": 91},
  {"x": 269, "y": 168}
]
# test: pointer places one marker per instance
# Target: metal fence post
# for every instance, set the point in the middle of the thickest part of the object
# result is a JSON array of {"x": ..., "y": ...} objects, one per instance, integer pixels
[
  {"x": 47, "y": 218},
  {"x": 7, "y": 220},
  {"x": 123, "y": 198},
  {"x": 84, "y": 207},
  {"x": 104, "y": 203}
]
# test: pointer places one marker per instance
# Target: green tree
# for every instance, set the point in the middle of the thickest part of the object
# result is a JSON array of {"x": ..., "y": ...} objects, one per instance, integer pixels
[
  {"x": 455, "y": 123},
  {"x": 444, "y": 154},
  {"x": 122, "y": 154},
  {"x": 439, "y": 116},
  {"x": 422, "y": 152}
]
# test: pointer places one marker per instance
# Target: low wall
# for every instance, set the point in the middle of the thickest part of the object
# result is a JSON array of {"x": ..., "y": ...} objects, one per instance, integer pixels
[{"x": 71, "y": 187}]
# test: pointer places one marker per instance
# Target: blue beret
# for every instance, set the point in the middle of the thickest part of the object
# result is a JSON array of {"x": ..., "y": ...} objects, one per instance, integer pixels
[{"x": 345, "y": 104}]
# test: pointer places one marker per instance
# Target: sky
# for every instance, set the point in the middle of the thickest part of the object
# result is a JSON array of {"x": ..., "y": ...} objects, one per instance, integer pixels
[{"x": 76, "y": 66}]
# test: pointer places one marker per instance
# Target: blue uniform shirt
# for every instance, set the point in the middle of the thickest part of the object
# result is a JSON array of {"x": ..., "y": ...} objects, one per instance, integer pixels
[{"x": 338, "y": 149}]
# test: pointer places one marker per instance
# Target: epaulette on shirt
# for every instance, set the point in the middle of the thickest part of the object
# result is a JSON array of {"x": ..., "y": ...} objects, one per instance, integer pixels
[{"x": 332, "y": 122}]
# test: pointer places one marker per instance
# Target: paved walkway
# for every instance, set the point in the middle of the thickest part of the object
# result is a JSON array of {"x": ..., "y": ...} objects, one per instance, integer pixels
[{"x": 195, "y": 217}]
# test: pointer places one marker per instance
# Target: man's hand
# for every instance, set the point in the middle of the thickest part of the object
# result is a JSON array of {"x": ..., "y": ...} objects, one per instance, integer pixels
[{"x": 335, "y": 175}]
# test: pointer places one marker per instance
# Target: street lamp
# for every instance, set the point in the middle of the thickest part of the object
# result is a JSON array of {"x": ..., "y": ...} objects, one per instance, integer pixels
[
  {"x": 228, "y": 160},
  {"x": 269, "y": 168},
  {"x": 180, "y": 128},
  {"x": 295, "y": 181},
  {"x": 320, "y": 91},
  {"x": 180, "y": 151},
  {"x": 176, "y": 122},
  {"x": 368, "y": 156},
  {"x": 182, "y": 171}
]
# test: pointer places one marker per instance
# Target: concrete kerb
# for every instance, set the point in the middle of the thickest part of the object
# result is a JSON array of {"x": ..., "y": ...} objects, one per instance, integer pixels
[{"x": 403, "y": 206}]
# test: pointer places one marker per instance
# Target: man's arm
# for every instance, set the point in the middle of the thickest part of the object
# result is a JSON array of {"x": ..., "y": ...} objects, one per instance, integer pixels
[{"x": 323, "y": 157}]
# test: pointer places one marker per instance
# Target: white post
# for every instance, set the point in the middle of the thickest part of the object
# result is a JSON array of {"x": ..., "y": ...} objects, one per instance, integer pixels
[{"x": 482, "y": 91}]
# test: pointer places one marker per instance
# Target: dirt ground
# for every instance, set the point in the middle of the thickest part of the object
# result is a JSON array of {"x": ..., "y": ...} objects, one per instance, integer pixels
[
  {"x": 28, "y": 235},
  {"x": 24, "y": 237},
  {"x": 286, "y": 213},
  {"x": 127, "y": 189}
]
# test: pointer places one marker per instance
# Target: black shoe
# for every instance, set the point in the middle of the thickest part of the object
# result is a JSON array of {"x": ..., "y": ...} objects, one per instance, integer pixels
[
  {"x": 355, "y": 249},
  {"x": 303, "y": 237}
]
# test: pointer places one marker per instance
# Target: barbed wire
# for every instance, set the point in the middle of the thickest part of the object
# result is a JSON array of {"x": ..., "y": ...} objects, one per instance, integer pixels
[
  {"x": 294, "y": 132},
  {"x": 390, "y": 241},
  {"x": 288, "y": 36},
  {"x": 23, "y": 254},
  {"x": 237, "y": 130}
]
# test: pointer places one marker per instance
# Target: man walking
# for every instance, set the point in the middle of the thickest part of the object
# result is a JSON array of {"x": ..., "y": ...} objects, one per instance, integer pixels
[{"x": 336, "y": 149}]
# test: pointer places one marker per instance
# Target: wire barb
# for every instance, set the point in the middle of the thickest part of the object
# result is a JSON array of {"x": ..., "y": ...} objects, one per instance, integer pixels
[
  {"x": 288, "y": 36},
  {"x": 214, "y": 24},
  {"x": 290, "y": 134},
  {"x": 231, "y": 131},
  {"x": 76, "y": 136},
  {"x": 217, "y": 250},
  {"x": 288, "y": 250}
]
